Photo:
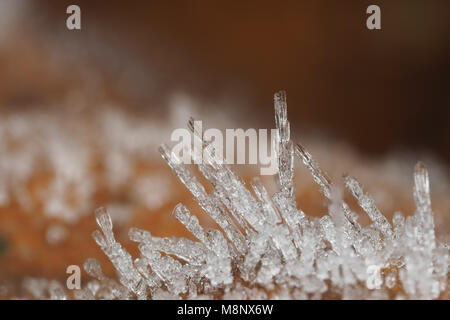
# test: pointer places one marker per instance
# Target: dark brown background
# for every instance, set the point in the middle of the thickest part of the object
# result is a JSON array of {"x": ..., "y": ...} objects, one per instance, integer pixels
[{"x": 379, "y": 90}]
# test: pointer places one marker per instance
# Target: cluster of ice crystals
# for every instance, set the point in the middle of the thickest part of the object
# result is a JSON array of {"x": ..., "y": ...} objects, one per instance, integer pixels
[
  {"x": 63, "y": 154},
  {"x": 267, "y": 247}
]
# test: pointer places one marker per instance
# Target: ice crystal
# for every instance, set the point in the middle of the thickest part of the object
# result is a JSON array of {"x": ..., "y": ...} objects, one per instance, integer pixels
[{"x": 266, "y": 247}]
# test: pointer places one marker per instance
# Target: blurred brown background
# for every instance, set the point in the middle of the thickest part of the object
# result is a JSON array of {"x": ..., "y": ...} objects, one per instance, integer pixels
[{"x": 379, "y": 90}]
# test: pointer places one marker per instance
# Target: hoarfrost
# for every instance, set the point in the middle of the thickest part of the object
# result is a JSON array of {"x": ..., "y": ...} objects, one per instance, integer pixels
[{"x": 267, "y": 247}]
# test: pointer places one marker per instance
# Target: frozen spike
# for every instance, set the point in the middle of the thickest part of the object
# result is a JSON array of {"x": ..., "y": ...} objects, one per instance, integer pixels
[
  {"x": 167, "y": 268},
  {"x": 190, "y": 251},
  {"x": 325, "y": 184},
  {"x": 399, "y": 224},
  {"x": 218, "y": 243},
  {"x": 176, "y": 164},
  {"x": 218, "y": 270},
  {"x": 293, "y": 217},
  {"x": 352, "y": 217},
  {"x": 206, "y": 154},
  {"x": 224, "y": 221},
  {"x": 190, "y": 222},
  {"x": 423, "y": 205},
  {"x": 139, "y": 235},
  {"x": 319, "y": 176},
  {"x": 220, "y": 193},
  {"x": 326, "y": 187},
  {"x": 280, "y": 104},
  {"x": 195, "y": 128},
  {"x": 209, "y": 203},
  {"x": 93, "y": 268},
  {"x": 330, "y": 233},
  {"x": 218, "y": 265},
  {"x": 120, "y": 258},
  {"x": 239, "y": 201},
  {"x": 230, "y": 189},
  {"x": 345, "y": 221},
  {"x": 289, "y": 212},
  {"x": 99, "y": 238},
  {"x": 270, "y": 266},
  {"x": 286, "y": 169},
  {"x": 141, "y": 291},
  {"x": 422, "y": 190},
  {"x": 282, "y": 240},
  {"x": 256, "y": 249},
  {"x": 152, "y": 280},
  {"x": 367, "y": 203},
  {"x": 285, "y": 149},
  {"x": 335, "y": 208},
  {"x": 422, "y": 184},
  {"x": 105, "y": 223},
  {"x": 268, "y": 209},
  {"x": 164, "y": 150},
  {"x": 103, "y": 219}
]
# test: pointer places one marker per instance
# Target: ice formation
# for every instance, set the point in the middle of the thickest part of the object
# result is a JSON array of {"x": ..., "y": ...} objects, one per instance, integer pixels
[{"x": 268, "y": 248}]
